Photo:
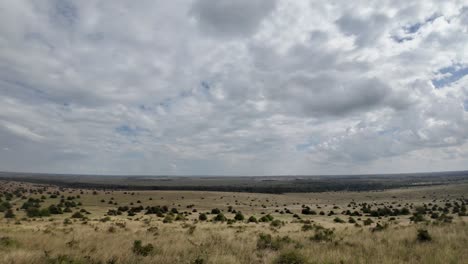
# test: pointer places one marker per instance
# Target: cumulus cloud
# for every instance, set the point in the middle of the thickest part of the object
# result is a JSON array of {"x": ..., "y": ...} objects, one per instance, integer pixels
[
  {"x": 226, "y": 18},
  {"x": 233, "y": 87}
]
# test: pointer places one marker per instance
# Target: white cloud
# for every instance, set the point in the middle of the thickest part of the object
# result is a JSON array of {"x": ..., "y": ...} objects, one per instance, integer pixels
[{"x": 244, "y": 87}]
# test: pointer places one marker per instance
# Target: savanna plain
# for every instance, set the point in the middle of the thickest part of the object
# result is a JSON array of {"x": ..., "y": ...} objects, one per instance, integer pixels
[{"x": 46, "y": 223}]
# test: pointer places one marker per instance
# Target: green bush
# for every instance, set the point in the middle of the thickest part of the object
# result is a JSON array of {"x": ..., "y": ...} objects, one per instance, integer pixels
[
  {"x": 423, "y": 235},
  {"x": 338, "y": 220},
  {"x": 252, "y": 219},
  {"x": 276, "y": 223},
  {"x": 239, "y": 216},
  {"x": 266, "y": 218},
  {"x": 9, "y": 214},
  {"x": 77, "y": 215},
  {"x": 308, "y": 211},
  {"x": 323, "y": 235},
  {"x": 202, "y": 217},
  {"x": 168, "y": 219},
  {"x": 4, "y": 206},
  {"x": 199, "y": 260},
  {"x": 7, "y": 242},
  {"x": 417, "y": 217},
  {"x": 290, "y": 257},
  {"x": 139, "y": 249},
  {"x": 266, "y": 241},
  {"x": 219, "y": 218},
  {"x": 379, "y": 227},
  {"x": 307, "y": 227}
]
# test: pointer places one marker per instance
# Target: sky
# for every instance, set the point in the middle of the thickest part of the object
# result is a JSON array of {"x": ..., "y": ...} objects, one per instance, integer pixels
[{"x": 245, "y": 87}]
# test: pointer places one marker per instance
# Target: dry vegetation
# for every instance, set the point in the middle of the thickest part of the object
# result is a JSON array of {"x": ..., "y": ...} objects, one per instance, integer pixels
[{"x": 94, "y": 230}]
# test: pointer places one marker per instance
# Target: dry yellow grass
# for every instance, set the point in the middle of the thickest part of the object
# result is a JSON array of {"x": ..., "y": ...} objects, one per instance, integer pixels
[
  {"x": 43, "y": 242},
  {"x": 49, "y": 240}
]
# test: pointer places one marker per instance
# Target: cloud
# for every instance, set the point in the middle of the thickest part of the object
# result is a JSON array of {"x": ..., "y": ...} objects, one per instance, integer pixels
[
  {"x": 231, "y": 18},
  {"x": 21, "y": 131},
  {"x": 233, "y": 87}
]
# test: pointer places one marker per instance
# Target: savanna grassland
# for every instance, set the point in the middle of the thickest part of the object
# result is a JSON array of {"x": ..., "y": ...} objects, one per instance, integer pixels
[{"x": 42, "y": 223}]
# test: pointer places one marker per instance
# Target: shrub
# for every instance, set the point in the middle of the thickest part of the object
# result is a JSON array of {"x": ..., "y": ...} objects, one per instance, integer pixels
[
  {"x": 4, "y": 206},
  {"x": 252, "y": 219},
  {"x": 266, "y": 241},
  {"x": 77, "y": 215},
  {"x": 191, "y": 229},
  {"x": 290, "y": 257},
  {"x": 323, "y": 235},
  {"x": 308, "y": 211},
  {"x": 423, "y": 235},
  {"x": 417, "y": 217},
  {"x": 9, "y": 214},
  {"x": 368, "y": 221},
  {"x": 141, "y": 250},
  {"x": 219, "y": 218},
  {"x": 105, "y": 219},
  {"x": 202, "y": 217},
  {"x": 276, "y": 223},
  {"x": 338, "y": 220},
  {"x": 215, "y": 211},
  {"x": 239, "y": 216},
  {"x": 7, "y": 242},
  {"x": 199, "y": 260},
  {"x": 36, "y": 212},
  {"x": 379, "y": 227},
  {"x": 266, "y": 218},
  {"x": 53, "y": 209},
  {"x": 168, "y": 219}
]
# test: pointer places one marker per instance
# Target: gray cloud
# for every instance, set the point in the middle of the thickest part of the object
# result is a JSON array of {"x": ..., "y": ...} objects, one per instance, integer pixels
[
  {"x": 244, "y": 87},
  {"x": 231, "y": 18}
]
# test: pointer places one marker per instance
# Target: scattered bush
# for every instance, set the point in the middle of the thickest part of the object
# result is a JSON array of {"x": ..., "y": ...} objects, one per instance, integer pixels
[
  {"x": 266, "y": 241},
  {"x": 202, "y": 217},
  {"x": 139, "y": 249},
  {"x": 9, "y": 214},
  {"x": 379, "y": 227},
  {"x": 266, "y": 218},
  {"x": 239, "y": 216},
  {"x": 78, "y": 215},
  {"x": 168, "y": 219},
  {"x": 219, "y": 218},
  {"x": 308, "y": 211},
  {"x": 7, "y": 242},
  {"x": 276, "y": 223},
  {"x": 199, "y": 260},
  {"x": 252, "y": 219},
  {"x": 338, "y": 220},
  {"x": 307, "y": 227},
  {"x": 323, "y": 234},
  {"x": 290, "y": 257},
  {"x": 423, "y": 235}
]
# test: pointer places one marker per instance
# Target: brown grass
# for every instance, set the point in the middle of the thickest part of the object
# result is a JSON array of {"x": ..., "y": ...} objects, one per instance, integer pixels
[{"x": 48, "y": 240}]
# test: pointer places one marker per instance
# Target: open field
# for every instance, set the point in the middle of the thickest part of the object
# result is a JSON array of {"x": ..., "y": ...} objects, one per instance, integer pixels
[{"x": 53, "y": 224}]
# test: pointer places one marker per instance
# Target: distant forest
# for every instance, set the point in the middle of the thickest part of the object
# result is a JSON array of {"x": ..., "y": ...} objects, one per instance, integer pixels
[{"x": 254, "y": 184}]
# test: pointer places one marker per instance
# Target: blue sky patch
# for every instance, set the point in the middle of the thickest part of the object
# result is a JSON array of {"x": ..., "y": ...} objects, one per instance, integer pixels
[
  {"x": 451, "y": 74},
  {"x": 127, "y": 130}
]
